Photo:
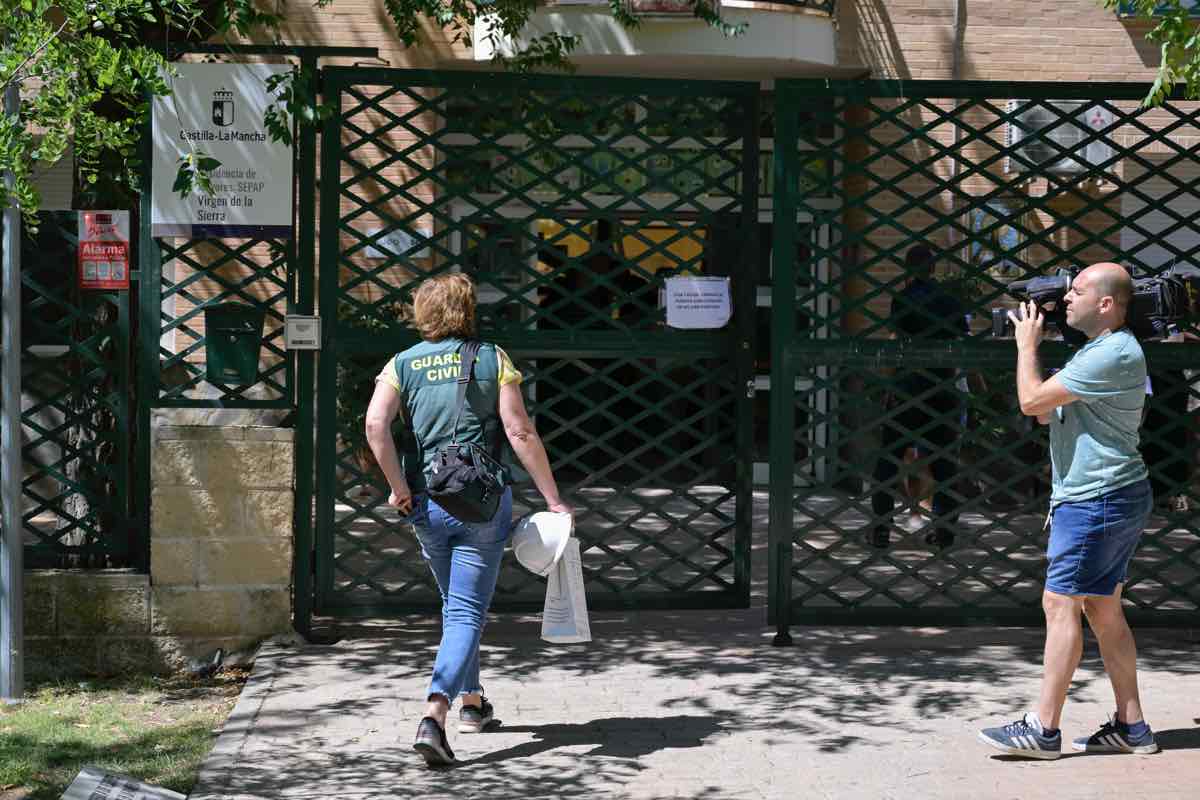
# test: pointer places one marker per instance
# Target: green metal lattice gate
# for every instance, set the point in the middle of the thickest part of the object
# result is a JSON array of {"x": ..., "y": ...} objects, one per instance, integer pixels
[
  {"x": 76, "y": 409},
  {"x": 1003, "y": 182},
  {"x": 569, "y": 201}
]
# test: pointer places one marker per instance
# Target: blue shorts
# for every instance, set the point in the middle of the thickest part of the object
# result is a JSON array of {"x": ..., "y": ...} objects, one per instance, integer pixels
[{"x": 1092, "y": 541}]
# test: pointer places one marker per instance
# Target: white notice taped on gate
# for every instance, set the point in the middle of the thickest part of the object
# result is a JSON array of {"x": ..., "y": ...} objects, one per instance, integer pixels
[{"x": 698, "y": 302}]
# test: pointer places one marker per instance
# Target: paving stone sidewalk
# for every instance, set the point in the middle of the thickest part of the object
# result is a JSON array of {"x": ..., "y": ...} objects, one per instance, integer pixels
[{"x": 697, "y": 705}]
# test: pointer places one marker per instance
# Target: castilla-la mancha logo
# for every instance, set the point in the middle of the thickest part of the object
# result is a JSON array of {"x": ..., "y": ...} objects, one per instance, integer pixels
[{"x": 222, "y": 115}]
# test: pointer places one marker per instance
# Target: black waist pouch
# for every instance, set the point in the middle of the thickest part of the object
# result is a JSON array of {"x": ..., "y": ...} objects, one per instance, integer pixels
[{"x": 466, "y": 482}]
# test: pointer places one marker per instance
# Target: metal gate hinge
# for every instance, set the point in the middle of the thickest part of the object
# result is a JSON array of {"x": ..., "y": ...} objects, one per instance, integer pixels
[{"x": 750, "y": 389}]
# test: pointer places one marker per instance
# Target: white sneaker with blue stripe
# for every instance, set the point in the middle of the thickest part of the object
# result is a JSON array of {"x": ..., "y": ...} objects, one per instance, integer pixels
[
  {"x": 1023, "y": 738},
  {"x": 1114, "y": 736}
]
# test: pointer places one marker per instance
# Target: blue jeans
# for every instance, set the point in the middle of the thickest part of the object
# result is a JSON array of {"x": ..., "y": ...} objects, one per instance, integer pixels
[
  {"x": 1092, "y": 541},
  {"x": 465, "y": 560}
]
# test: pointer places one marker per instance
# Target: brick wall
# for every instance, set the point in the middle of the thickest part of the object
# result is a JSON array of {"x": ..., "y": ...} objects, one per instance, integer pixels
[{"x": 1077, "y": 40}]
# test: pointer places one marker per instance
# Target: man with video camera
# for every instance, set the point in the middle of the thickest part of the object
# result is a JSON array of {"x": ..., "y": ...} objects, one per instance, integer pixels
[{"x": 1100, "y": 502}]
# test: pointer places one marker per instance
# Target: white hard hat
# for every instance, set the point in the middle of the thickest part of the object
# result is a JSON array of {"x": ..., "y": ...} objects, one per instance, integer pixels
[{"x": 540, "y": 538}]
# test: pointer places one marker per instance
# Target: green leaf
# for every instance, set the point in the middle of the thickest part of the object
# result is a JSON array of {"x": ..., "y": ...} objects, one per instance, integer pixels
[{"x": 183, "y": 182}]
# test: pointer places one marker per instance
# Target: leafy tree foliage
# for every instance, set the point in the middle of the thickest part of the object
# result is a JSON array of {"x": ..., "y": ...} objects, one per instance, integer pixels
[
  {"x": 86, "y": 69},
  {"x": 78, "y": 62},
  {"x": 1178, "y": 37}
]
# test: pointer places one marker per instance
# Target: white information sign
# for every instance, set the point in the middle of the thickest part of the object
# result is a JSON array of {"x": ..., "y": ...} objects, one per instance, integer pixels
[
  {"x": 698, "y": 302},
  {"x": 217, "y": 110},
  {"x": 93, "y": 783}
]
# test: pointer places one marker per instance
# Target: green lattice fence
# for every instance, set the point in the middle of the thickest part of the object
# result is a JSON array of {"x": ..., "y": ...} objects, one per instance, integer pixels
[
  {"x": 570, "y": 202},
  {"x": 194, "y": 275},
  {"x": 1004, "y": 182},
  {"x": 75, "y": 408}
]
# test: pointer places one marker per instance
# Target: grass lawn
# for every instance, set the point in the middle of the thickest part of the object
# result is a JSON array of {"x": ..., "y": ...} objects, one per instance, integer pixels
[{"x": 155, "y": 729}]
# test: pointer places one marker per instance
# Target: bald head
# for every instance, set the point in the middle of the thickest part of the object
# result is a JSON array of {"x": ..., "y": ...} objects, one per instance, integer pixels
[
  {"x": 1113, "y": 280},
  {"x": 1099, "y": 298}
]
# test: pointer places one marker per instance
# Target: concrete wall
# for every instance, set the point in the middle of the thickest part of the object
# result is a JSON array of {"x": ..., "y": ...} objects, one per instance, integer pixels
[
  {"x": 220, "y": 563},
  {"x": 87, "y": 622}
]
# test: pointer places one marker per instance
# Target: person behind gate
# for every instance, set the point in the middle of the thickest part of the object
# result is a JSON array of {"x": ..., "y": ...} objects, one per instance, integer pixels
[
  {"x": 1099, "y": 504},
  {"x": 926, "y": 403},
  {"x": 420, "y": 384}
]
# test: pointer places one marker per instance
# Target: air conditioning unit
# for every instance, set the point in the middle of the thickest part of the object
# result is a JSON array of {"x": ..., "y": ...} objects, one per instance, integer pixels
[{"x": 1052, "y": 136}]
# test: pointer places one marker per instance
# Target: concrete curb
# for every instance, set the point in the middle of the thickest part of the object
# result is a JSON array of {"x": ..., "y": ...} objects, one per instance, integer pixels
[{"x": 227, "y": 753}]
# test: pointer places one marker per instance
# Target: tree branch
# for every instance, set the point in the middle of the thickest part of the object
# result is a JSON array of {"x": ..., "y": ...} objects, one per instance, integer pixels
[{"x": 17, "y": 72}]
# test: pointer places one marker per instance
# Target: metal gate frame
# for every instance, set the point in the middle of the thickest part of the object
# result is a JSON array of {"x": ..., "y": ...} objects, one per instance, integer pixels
[
  {"x": 857, "y": 149},
  {"x": 733, "y": 346}
]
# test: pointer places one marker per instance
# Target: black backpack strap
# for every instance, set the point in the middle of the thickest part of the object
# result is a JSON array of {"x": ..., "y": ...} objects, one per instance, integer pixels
[{"x": 466, "y": 370}]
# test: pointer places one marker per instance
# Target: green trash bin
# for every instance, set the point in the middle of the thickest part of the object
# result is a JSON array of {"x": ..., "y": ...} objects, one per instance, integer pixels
[{"x": 232, "y": 339}]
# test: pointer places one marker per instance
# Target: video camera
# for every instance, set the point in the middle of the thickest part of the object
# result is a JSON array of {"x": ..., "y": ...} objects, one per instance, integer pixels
[{"x": 1159, "y": 303}]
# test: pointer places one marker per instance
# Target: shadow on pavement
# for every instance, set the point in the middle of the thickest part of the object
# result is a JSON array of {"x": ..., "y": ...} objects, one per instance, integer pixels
[
  {"x": 851, "y": 675},
  {"x": 615, "y": 737},
  {"x": 1179, "y": 738},
  {"x": 340, "y": 718}
]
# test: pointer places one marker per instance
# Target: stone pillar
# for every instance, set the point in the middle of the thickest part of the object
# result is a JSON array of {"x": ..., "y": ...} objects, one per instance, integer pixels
[{"x": 220, "y": 538}]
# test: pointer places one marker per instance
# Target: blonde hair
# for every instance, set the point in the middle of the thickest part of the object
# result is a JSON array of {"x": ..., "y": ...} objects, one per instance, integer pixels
[{"x": 444, "y": 306}]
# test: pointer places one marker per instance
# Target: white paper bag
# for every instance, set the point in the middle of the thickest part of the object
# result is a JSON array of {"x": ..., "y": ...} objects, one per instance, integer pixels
[{"x": 565, "y": 616}]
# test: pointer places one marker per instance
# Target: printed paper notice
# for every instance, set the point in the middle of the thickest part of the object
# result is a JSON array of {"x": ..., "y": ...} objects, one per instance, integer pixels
[
  {"x": 93, "y": 783},
  {"x": 696, "y": 302}
]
